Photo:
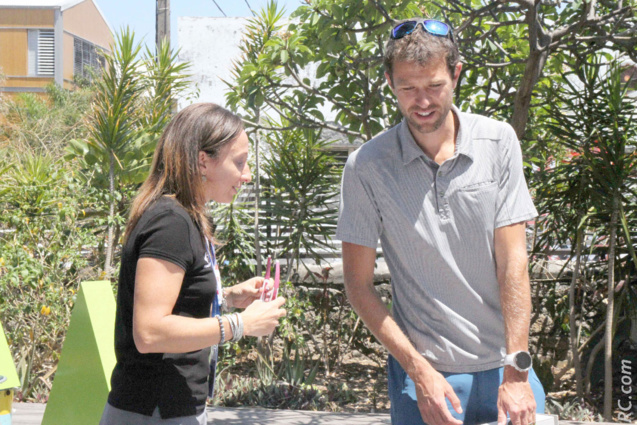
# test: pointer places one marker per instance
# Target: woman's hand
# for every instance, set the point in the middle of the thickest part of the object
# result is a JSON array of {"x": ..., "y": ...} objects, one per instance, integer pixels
[
  {"x": 245, "y": 293},
  {"x": 260, "y": 318}
]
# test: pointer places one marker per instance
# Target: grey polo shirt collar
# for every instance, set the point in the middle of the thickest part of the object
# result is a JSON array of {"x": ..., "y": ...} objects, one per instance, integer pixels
[{"x": 410, "y": 149}]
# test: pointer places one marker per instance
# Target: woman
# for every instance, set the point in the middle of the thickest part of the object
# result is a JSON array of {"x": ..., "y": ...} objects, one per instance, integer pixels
[{"x": 169, "y": 280}]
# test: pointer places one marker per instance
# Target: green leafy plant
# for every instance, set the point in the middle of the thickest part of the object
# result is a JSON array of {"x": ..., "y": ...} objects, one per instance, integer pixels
[
  {"x": 300, "y": 201},
  {"x": 572, "y": 410},
  {"x": 596, "y": 121},
  {"x": 45, "y": 250},
  {"x": 133, "y": 103},
  {"x": 245, "y": 391},
  {"x": 45, "y": 123},
  {"x": 509, "y": 51},
  {"x": 235, "y": 250}
]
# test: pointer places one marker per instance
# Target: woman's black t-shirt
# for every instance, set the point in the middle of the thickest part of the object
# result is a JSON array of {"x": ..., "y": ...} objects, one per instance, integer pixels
[{"x": 176, "y": 383}]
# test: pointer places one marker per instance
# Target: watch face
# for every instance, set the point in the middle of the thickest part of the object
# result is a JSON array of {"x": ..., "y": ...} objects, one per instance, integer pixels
[{"x": 523, "y": 360}]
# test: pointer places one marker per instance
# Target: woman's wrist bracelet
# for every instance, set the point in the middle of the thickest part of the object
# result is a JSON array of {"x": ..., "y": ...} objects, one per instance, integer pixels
[
  {"x": 222, "y": 330},
  {"x": 232, "y": 326},
  {"x": 240, "y": 320},
  {"x": 239, "y": 333},
  {"x": 236, "y": 326}
]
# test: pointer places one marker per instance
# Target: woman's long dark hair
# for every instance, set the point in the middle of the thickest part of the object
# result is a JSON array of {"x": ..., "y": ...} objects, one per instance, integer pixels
[{"x": 175, "y": 170}]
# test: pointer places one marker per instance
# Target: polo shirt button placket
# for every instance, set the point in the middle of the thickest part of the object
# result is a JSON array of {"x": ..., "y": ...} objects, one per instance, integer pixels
[{"x": 444, "y": 209}]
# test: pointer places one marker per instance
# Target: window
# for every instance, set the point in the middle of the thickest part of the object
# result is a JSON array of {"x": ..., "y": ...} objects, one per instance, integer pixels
[
  {"x": 86, "y": 58},
  {"x": 41, "y": 55}
]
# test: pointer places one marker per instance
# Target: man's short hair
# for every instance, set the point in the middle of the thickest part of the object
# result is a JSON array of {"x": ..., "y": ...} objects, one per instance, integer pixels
[{"x": 420, "y": 47}]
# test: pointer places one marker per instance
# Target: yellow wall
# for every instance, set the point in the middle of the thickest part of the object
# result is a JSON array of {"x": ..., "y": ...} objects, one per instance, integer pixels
[
  {"x": 37, "y": 18},
  {"x": 85, "y": 21},
  {"x": 14, "y": 45},
  {"x": 28, "y": 82},
  {"x": 67, "y": 41},
  {"x": 13, "y": 51}
]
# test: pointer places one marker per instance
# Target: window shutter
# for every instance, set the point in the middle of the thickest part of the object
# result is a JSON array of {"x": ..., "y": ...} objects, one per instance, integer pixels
[
  {"x": 46, "y": 53},
  {"x": 86, "y": 57},
  {"x": 77, "y": 56},
  {"x": 86, "y": 54}
]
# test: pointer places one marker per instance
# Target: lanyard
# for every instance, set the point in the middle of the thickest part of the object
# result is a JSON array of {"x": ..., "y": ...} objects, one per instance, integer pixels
[
  {"x": 218, "y": 298},
  {"x": 214, "y": 311}
]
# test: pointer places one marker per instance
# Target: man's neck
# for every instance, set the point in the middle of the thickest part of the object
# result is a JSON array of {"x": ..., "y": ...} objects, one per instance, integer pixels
[{"x": 439, "y": 145}]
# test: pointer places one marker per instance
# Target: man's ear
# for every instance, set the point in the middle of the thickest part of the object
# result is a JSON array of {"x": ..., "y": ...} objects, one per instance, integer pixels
[
  {"x": 390, "y": 83},
  {"x": 456, "y": 74}
]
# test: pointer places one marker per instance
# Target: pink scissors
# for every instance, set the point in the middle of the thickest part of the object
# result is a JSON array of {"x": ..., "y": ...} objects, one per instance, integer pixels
[{"x": 277, "y": 278}]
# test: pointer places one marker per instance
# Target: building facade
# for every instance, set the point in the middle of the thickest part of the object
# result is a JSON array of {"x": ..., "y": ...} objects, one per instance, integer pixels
[{"x": 46, "y": 41}]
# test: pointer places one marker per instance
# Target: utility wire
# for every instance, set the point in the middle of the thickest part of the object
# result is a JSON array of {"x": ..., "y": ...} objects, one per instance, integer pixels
[
  {"x": 224, "y": 13},
  {"x": 252, "y": 11}
]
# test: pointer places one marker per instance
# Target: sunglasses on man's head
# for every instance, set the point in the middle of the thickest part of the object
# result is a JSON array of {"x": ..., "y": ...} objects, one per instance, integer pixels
[{"x": 433, "y": 27}]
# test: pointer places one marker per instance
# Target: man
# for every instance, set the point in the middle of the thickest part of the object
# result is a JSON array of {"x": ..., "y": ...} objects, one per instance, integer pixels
[{"x": 445, "y": 194}]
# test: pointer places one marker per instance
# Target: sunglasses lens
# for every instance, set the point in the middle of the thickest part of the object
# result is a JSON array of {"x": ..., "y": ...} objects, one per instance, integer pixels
[
  {"x": 436, "y": 28},
  {"x": 403, "y": 29}
]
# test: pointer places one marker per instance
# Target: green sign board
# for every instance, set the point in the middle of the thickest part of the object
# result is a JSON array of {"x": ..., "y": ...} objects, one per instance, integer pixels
[
  {"x": 8, "y": 375},
  {"x": 83, "y": 377}
]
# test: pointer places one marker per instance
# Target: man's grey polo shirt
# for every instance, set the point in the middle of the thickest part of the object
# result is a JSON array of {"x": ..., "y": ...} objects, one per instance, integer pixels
[{"x": 436, "y": 226}]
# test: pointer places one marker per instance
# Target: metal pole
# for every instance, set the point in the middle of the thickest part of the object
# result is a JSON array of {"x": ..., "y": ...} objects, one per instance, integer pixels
[{"x": 162, "y": 22}]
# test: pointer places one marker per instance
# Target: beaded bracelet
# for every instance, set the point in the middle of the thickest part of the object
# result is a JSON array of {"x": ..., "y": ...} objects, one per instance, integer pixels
[{"x": 222, "y": 329}]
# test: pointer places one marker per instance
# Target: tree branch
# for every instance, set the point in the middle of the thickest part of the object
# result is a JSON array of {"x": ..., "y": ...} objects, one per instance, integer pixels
[
  {"x": 304, "y": 119},
  {"x": 382, "y": 11},
  {"x": 563, "y": 31},
  {"x": 311, "y": 89}
]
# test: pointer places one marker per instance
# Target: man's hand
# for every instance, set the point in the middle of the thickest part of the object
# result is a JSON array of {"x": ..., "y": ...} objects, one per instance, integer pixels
[
  {"x": 431, "y": 390},
  {"x": 516, "y": 397}
]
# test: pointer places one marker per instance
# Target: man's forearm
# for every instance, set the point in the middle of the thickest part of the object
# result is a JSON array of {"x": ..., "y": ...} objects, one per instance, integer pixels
[
  {"x": 515, "y": 396},
  {"x": 515, "y": 296},
  {"x": 358, "y": 271},
  {"x": 515, "y": 290}
]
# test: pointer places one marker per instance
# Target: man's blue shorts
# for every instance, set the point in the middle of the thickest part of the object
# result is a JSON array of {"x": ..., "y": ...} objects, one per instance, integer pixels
[{"x": 478, "y": 394}]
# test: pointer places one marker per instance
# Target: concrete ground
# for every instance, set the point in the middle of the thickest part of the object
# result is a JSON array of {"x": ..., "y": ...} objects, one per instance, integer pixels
[{"x": 32, "y": 413}]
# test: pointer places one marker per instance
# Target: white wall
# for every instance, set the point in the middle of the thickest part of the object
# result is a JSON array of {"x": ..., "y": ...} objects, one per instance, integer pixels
[{"x": 210, "y": 45}]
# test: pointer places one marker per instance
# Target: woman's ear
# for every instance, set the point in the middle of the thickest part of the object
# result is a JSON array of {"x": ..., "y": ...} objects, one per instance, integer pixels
[{"x": 202, "y": 160}]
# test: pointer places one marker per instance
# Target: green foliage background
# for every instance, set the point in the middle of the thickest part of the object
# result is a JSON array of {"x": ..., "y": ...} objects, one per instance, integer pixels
[{"x": 72, "y": 161}]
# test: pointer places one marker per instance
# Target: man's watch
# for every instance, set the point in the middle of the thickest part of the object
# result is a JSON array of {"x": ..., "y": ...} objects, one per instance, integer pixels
[{"x": 520, "y": 360}]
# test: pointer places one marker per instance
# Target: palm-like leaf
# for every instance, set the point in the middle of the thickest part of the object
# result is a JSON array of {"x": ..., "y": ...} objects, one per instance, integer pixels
[{"x": 301, "y": 199}]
